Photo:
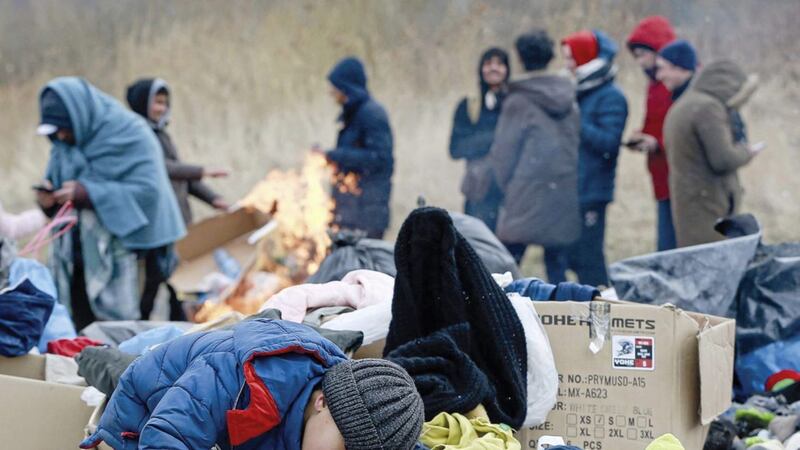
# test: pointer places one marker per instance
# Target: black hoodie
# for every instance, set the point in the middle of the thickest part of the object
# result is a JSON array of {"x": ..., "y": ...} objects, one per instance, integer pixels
[{"x": 186, "y": 178}]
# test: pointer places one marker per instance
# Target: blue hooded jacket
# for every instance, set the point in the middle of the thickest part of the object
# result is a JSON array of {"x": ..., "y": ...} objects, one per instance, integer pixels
[
  {"x": 118, "y": 160},
  {"x": 604, "y": 111},
  {"x": 364, "y": 147},
  {"x": 247, "y": 387}
]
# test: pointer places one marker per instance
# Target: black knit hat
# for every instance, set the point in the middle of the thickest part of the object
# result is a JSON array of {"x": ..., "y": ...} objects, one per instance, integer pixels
[
  {"x": 374, "y": 404},
  {"x": 443, "y": 288}
]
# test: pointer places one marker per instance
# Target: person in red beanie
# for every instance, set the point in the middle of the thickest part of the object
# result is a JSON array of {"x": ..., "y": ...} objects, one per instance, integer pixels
[{"x": 651, "y": 35}]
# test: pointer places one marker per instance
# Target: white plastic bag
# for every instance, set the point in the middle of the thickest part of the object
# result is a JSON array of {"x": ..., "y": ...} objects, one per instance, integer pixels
[{"x": 542, "y": 374}]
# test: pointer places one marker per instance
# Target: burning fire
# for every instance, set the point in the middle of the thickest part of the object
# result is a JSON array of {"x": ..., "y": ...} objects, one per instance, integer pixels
[{"x": 301, "y": 207}]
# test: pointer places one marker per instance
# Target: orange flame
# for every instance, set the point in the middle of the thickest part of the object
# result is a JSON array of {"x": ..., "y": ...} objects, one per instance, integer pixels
[{"x": 300, "y": 203}]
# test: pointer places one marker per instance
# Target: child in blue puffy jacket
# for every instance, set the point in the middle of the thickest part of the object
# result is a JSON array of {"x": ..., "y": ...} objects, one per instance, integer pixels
[{"x": 263, "y": 384}]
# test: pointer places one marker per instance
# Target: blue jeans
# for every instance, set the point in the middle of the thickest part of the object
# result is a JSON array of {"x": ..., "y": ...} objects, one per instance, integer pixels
[
  {"x": 666, "y": 231},
  {"x": 586, "y": 257}
]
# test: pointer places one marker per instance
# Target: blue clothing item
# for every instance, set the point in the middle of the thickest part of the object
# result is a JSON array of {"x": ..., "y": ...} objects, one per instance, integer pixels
[
  {"x": 604, "y": 111},
  {"x": 538, "y": 290},
  {"x": 247, "y": 387},
  {"x": 364, "y": 148},
  {"x": 59, "y": 325},
  {"x": 24, "y": 311},
  {"x": 678, "y": 92},
  {"x": 349, "y": 76},
  {"x": 680, "y": 53},
  {"x": 118, "y": 160},
  {"x": 753, "y": 368},
  {"x": 586, "y": 257},
  {"x": 141, "y": 343},
  {"x": 666, "y": 230}
]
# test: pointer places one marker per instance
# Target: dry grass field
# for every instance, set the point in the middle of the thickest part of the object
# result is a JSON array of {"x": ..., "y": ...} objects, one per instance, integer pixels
[{"x": 250, "y": 93}]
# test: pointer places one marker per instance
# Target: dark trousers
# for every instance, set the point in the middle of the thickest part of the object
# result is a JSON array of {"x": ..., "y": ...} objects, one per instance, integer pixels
[
  {"x": 586, "y": 257},
  {"x": 82, "y": 314},
  {"x": 486, "y": 209},
  {"x": 153, "y": 278},
  {"x": 666, "y": 230}
]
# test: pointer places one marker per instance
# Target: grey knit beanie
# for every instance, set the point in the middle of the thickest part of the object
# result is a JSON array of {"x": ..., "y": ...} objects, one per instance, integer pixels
[{"x": 375, "y": 404}]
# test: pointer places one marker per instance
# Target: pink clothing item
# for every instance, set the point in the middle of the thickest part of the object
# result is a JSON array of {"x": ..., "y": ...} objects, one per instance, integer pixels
[
  {"x": 18, "y": 226},
  {"x": 358, "y": 289}
]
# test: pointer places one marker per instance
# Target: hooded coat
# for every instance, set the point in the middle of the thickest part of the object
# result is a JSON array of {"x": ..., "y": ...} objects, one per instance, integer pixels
[
  {"x": 117, "y": 160},
  {"x": 703, "y": 154},
  {"x": 246, "y": 386},
  {"x": 534, "y": 159},
  {"x": 654, "y": 33},
  {"x": 363, "y": 148},
  {"x": 471, "y": 139},
  {"x": 186, "y": 179},
  {"x": 603, "y": 115}
]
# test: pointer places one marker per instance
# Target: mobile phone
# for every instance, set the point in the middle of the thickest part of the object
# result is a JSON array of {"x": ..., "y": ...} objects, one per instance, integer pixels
[
  {"x": 42, "y": 188},
  {"x": 633, "y": 143}
]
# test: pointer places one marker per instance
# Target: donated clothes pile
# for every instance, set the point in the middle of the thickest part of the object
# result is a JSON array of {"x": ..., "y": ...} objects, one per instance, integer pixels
[{"x": 440, "y": 315}]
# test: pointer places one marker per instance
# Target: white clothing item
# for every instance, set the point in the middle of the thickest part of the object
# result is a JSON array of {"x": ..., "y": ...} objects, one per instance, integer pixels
[
  {"x": 18, "y": 226},
  {"x": 542, "y": 375},
  {"x": 358, "y": 289},
  {"x": 373, "y": 321},
  {"x": 62, "y": 370}
]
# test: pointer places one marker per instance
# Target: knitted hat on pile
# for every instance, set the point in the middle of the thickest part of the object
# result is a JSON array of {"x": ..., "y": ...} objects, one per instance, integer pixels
[{"x": 375, "y": 404}]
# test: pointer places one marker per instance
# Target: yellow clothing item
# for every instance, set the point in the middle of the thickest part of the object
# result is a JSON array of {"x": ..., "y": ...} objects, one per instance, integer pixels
[
  {"x": 456, "y": 432},
  {"x": 666, "y": 442},
  {"x": 478, "y": 413}
]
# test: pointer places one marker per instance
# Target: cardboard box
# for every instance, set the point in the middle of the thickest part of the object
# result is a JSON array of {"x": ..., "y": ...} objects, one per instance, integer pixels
[
  {"x": 660, "y": 370},
  {"x": 227, "y": 231},
  {"x": 35, "y": 414}
]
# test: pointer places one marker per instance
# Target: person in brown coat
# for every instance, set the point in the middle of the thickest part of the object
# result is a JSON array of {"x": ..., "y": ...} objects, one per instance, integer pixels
[{"x": 706, "y": 144}]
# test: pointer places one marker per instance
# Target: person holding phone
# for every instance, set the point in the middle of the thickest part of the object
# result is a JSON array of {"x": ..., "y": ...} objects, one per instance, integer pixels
[
  {"x": 707, "y": 143},
  {"x": 108, "y": 164},
  {"x": 651, "y": 35}
]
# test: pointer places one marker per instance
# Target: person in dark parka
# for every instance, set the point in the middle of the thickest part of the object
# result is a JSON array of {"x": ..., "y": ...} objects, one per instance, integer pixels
[
  {"x": 149, "y": 98},
  {"x": 473, "y": 133},
  {"x": 604, "y": 110},
  {"x": 534, "y": 156},
  {"x": 363, "y": 149}
]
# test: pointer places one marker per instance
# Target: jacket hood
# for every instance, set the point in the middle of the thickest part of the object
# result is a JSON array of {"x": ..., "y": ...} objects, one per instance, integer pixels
[
  {"x": 727, "y": 82},
  {"x": 600, "y": 70},
  {"x": 653, "y": 32},
  {"x": 140, "y": 96},
  {"x": 606, "y": 47},
  {"x": 349, "y": 76},
  {"x": 555, "y": 94}
]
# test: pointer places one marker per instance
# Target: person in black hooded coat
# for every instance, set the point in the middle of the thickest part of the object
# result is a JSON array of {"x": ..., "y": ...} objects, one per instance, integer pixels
[
  {"x": 144, "y": 97},
  {"x": 473, "y": 133},
  {"x": 149, "y": 98},
  {"x": 363, "y": 149}
]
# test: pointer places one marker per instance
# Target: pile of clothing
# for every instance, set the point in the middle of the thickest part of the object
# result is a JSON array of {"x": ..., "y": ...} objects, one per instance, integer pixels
[{"x": 767, "y": 421}]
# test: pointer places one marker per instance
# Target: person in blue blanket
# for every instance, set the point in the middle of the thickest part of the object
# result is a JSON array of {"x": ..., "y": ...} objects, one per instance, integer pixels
[
  {"x": 363, "y": 151},
  {"x": 262, "y": 384},
  {"x": 106, "y": 162}
]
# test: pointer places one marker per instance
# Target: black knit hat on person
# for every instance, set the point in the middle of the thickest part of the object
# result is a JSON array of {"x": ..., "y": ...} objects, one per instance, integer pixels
[
  {"x": 374, "y": 404},
  {"x": 442, "y": 287}
]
